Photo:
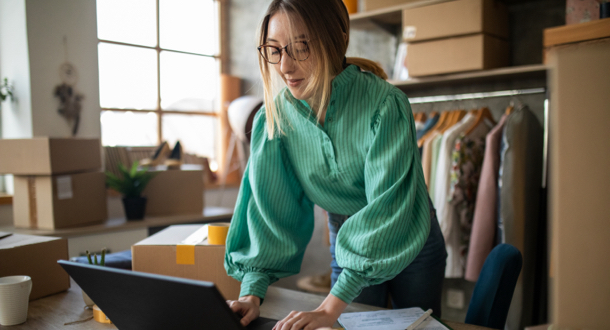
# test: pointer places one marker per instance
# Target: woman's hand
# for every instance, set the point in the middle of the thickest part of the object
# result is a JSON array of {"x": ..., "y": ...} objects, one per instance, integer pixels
[
  {"x": 247, "y": 307},
  {"x": 324, "y": 316}
]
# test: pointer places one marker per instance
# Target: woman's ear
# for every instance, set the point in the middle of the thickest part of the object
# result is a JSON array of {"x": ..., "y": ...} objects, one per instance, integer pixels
[{"x": 344, "y": 36}]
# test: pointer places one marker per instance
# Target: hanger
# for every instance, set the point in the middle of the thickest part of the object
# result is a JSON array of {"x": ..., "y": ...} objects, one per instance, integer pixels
[
  {"x": 482, "y": 114},
  {"x": 439, "y": 124},
  {"x": 433, "y": 113}
]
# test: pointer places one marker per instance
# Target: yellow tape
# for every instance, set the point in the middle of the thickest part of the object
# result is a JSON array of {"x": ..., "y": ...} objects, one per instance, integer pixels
[
  {"x": 217, "y": 233},
  {"x": 185, "y": 254},
  {"x": 99, "y": 316}
]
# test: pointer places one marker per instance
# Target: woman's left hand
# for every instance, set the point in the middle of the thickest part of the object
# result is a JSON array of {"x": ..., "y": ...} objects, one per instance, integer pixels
[{"x": 324, "y": 316}]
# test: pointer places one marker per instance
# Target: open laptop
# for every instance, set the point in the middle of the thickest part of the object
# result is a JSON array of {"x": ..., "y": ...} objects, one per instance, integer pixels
[{"x": 136, "y": 300}]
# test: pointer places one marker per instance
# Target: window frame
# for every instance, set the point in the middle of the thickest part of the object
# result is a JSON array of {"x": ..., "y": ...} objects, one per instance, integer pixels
[{"x": 159, "y": 111}]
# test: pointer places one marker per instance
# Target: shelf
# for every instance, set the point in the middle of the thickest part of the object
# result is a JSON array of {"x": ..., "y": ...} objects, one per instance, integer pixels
[
  {"x": 517, "y": 72},
  {"x": 386, "y": 17}
]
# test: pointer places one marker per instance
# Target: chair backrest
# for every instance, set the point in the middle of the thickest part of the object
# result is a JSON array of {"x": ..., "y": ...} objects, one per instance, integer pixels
[{"x": 494, "y": 289}]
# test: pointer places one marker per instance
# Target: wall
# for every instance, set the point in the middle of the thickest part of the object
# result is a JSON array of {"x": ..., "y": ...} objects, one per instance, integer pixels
[
  {"x": 31, "y": 52},
  {"x": 76, "y": 21}
]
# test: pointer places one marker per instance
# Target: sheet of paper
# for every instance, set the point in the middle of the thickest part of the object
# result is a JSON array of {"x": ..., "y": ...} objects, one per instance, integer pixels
[{"x": 394, "y": 319}]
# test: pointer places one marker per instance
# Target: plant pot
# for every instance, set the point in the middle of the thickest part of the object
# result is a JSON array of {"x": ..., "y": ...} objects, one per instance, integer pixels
[{"x": 134, "y": 207}]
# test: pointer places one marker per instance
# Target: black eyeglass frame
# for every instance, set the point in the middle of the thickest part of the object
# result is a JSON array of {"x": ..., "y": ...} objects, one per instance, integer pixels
[{"x": 285, "y": 49}]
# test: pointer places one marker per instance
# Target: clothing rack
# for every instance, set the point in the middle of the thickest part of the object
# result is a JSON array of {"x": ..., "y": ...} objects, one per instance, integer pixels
[
  {"x": 472, "y": 96},
  {"x": 483, "y": 95}
]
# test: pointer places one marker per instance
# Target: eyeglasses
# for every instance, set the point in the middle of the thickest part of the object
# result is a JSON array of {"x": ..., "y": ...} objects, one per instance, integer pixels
[{"x": 298, "y": 51}]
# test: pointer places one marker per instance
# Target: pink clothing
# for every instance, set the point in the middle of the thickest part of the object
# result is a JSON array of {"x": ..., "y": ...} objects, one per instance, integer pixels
[{"x": 486, "y": 207}]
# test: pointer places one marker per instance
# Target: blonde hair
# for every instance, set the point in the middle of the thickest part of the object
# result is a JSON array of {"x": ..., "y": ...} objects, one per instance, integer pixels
[{"x": 327, "y": 23}]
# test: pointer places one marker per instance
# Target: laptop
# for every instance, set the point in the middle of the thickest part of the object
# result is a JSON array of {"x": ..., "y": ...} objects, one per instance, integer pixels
[{"x": 136, "y": 300}]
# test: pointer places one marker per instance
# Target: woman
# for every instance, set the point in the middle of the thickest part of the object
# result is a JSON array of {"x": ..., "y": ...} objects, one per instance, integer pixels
[{"x": 343, "y": 139}]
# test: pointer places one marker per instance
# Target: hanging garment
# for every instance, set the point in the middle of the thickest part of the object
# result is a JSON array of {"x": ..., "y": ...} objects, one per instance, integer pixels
[
  {"x": 467, "y": 160},
  {"x": 446, "y": 217},
  {"x": 436, "y": 147},
  {"x": 521, "y": 181},
  {"x": 484, "y": 219},
  {"x": 428, "y": 125}
]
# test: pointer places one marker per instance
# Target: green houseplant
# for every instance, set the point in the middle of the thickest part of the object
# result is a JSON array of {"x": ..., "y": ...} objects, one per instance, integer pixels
[{"x": 130, "y": 184}]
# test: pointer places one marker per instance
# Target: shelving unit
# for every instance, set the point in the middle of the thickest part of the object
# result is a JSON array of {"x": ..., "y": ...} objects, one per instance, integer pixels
[
  {"x": 486, "y": 76},
  {"x": 388, "y": 18}
]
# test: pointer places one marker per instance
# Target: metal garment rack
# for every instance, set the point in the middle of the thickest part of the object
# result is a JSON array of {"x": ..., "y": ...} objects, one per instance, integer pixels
[
  {"x": 484, "y": 95},
  {"x": 473, "y": 96}
]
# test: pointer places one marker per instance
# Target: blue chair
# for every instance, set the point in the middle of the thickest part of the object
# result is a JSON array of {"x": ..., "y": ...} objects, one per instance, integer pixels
[{"x": 494, "y": 289}]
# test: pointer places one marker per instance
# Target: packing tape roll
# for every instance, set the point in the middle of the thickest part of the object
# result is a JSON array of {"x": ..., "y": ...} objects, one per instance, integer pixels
[
  {"x": 99, "y": 316},
  {"x": 217, "y": 233}
]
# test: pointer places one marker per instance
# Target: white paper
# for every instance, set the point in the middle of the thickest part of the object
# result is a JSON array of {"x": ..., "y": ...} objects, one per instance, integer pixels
[
  {"x": 393, "y": 319},
  {"x": 64, "y": 187}
]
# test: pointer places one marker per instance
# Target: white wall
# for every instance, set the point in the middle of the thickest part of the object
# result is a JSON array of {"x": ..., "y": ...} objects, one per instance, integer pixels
[
  {"x": 31, "y": 52},
  {"x": 14, "y": 65},
  {"x": 48, "y": 23}
]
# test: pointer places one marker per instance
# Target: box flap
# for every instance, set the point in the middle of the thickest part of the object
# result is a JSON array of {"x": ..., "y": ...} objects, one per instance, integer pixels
[
  {"x": 172, "y": 235},
  {"x": 16, "y": 240}
]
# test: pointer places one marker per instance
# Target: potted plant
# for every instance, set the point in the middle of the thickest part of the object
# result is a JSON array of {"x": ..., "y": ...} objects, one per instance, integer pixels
[
  {"x": 93, "y": 261},
  {"x": 131, "y": 184}
]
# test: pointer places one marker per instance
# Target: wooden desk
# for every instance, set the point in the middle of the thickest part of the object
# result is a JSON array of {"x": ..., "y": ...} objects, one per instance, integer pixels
[{"x": 54, "y": 311}]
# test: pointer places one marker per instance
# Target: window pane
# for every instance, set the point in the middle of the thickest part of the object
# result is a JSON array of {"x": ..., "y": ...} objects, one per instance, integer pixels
[
  {"x": 129, "y": 128},
  {"x": 188, "y": 82},
  {"x": 197, "y": 134},
  {"x": 132, "y": 21},
  {"x": 189, "y": 26},
  {"x": 128, "y": 77}
]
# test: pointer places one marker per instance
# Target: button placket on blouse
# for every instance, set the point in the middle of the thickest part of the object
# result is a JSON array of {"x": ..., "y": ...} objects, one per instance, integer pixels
[{"x": 329, "y": 150}]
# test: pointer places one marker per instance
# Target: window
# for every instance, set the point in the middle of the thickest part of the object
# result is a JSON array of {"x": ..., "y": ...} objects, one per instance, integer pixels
[{"x": 159, "y": 71}]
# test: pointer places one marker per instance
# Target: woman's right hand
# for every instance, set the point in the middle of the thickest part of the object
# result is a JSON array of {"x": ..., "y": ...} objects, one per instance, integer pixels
[{"x": 247, "y": 307}]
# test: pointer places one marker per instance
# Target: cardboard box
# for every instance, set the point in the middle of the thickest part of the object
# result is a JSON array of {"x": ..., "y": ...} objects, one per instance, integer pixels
[
  {"x": 36, "y": 257},
  {"x": 455, "y": 18},
  {"x": 59, "y": 201},
  {"x": 380, "y": 4},
  {"x": 175, "y": 192},
  {"x": 475, "y": 52},
  {"x": 47, "y": 156},
  {"x": 162, "y": 254}
]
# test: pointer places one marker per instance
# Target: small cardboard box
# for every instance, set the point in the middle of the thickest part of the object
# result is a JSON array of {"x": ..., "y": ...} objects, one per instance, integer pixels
[
  {"x": 175, "y": 192},
  {"x": 455, "y": 18},
  {"x": 47, "y": 156},
  {"x": 164, "y": 254},
  {"x": 59, "y": 201},
  {"x": 379, "y": 4},
  {"x": 469, "y": 53},
  {"x": 36, "y": 257}
]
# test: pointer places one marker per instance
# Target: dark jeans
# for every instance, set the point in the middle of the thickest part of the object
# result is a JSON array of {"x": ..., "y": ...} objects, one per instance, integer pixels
[{"x": 420, "y": 284}]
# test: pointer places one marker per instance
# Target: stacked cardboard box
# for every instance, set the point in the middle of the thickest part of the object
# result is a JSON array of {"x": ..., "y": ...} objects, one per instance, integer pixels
[
  {"x": 456, "y": 36},
  {"x": 58, "y": 181}
]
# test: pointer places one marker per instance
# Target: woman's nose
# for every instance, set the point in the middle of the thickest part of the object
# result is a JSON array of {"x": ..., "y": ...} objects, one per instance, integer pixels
[{"x": 287, "y": 64}]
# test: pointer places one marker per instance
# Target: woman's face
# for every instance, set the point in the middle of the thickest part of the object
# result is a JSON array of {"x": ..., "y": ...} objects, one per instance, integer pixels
[{"x": 297, "y": 77}]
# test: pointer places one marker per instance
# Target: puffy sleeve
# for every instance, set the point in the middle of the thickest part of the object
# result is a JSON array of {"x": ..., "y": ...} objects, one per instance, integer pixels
[
  {"x": 273, "y": 219},
  {"x": 379, "y": 241}
]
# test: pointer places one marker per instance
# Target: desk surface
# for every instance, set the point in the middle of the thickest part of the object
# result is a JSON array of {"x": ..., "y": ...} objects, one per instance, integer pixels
[
  {"x": 54, "y": 311},
  {"x": 210, "y": 214}
]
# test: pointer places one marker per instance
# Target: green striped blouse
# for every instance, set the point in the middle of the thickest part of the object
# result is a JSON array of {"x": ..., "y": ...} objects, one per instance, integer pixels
[{"x": 363, "y": 162}]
